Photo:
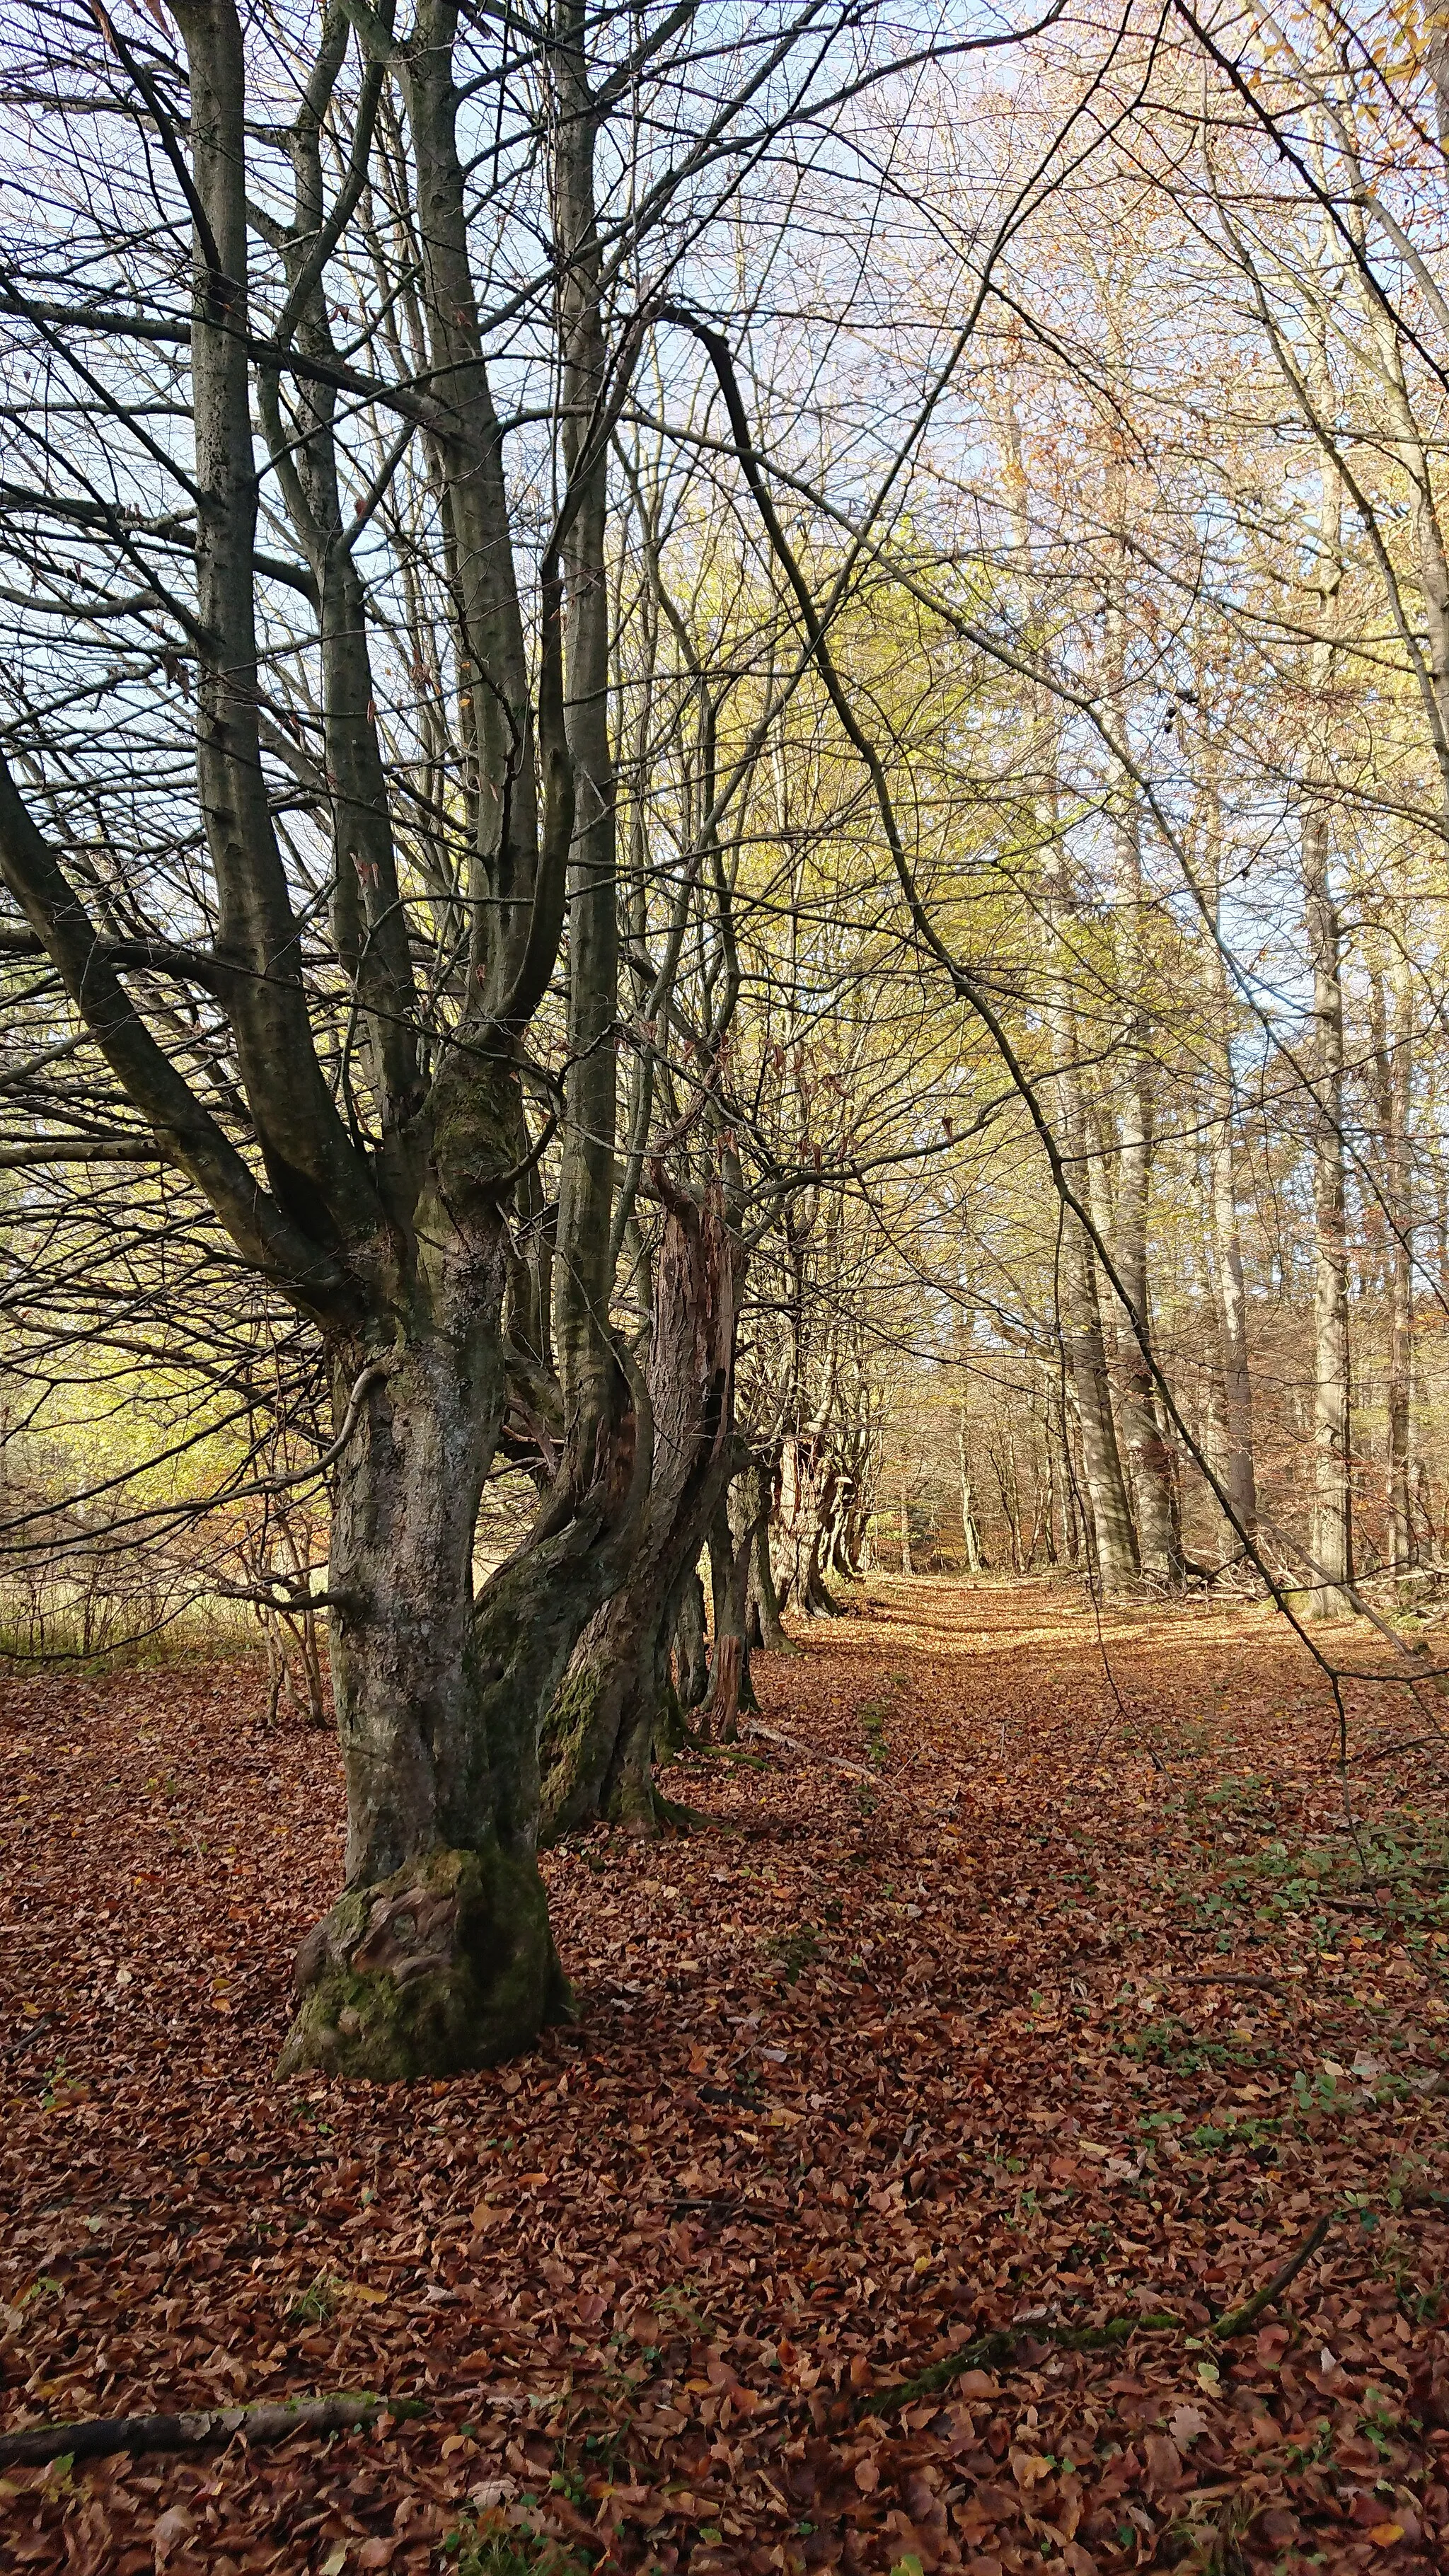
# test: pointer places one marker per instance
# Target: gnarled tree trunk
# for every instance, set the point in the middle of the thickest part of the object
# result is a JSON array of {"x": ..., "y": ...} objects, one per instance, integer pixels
[
  {"x": 807, "y": 1488},
  {"x": 599, "y": 1736},
  {"x": 438, "y": 1955}
]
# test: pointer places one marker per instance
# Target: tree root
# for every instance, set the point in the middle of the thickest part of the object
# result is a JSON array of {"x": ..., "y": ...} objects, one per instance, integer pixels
[
  {"x": 34, "y": 2444},
  {"x": 1236, "y": 2321},
  {"x": 1001, "y": 2345},
  {"x": 681, "y": 1819},
  {"x": 808, "y": 1752}
]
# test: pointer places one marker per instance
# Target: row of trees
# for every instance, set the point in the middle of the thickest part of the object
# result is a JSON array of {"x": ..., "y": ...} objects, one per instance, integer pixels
[{"x": 662, "y": 769}]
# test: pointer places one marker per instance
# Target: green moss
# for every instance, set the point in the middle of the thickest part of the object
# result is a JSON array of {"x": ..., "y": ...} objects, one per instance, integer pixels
[
  {"x": 462, "y": 1976},
  {"x": 572, "y": 1751}
]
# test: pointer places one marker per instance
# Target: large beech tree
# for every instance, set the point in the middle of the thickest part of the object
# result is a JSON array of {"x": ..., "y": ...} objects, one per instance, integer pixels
[{"x": 328, "y": 373}]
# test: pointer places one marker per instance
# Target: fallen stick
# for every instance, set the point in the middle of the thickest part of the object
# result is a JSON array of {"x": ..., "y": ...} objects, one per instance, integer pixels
[
  {"x": 1236, "y": 2321},
  {"x": 34, "y": 2444},
  {"x": 809, "y": 1752},
  {"x": 1182, "y": 1977},
  {"x": 1000, "y": 2347}
]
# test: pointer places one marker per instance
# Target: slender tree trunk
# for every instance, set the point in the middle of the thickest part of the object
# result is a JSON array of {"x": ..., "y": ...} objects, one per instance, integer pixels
[
  {"x": 767, "y": 1631},
  {"x": 1235, "y": 1464},
  {"x": 1113, "y": 1533},
  {"x": 1332, "y": 1523},
  {"x": 1151, "y": 1470},
  {"x": 731, "y": 1544},
  {"x": 691, "y": 1651},
  {"x": 907, "y": 1564},
  {"x": 1393, "y": 1062},
  {"x": 1230, "y": 1301},
  {"x": 1114, "y": 1538},
  {"x": 1161, "y": 1553},
  {"x": 1332, "y": 1526},
  {"x": 970, "y": 1537}
]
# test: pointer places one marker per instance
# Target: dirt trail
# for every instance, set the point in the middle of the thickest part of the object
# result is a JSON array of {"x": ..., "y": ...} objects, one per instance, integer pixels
[{"x": 869, "y": 2071}]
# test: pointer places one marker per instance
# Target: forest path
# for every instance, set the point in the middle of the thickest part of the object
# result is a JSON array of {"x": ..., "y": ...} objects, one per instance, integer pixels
[{"x": 874, "y": 2067}]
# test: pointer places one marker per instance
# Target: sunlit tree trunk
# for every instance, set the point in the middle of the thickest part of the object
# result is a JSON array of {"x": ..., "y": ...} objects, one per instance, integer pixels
[
  {"x": 1393, "y": 1066},
  {"x": 1332, "y": 1539},
  {"x": 970, "y": 1536},
  {"x": 1332, "y": 1519},
  {"x": 1079, "y": 1313},
  {"x": 1151, "y": 1466},
  {"x": 1161, "y": 1552},
  {"x": 1114, "y": 1537},
  {"x": 1229, "y": 1291}
]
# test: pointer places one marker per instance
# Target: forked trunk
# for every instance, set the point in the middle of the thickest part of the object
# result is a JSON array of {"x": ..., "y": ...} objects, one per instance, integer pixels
[
  {"x": 438, "y": 1955},
  {"x": 806, "y": 1494},
  {"x": 600, "y": 1731}
]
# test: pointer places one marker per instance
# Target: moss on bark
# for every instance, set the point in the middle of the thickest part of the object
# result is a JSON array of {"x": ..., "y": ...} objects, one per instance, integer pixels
[
  {"x": 578, "y": 1740},
  {"x": 448, "y": 1964}
]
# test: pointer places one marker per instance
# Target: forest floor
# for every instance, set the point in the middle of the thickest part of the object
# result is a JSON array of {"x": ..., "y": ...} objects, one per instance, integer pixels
[{"x": 1076, "y": 2010}]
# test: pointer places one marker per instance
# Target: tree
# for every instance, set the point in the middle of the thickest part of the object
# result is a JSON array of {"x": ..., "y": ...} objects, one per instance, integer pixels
[{"x": 317, "y": 979}]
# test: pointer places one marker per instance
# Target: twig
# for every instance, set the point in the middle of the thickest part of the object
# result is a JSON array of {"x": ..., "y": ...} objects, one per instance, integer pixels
[
  {"x": 1386, "y": 1752},
  {"x": 36, "y": 2443},
  {"x": 808, "y": 1752},
  {"x": 1002, "y": 2346},
  {"x": 1181, "y": 1977},
  {"x": 295, "y": 1602},
  {"x": 1236, "y": 2321}
]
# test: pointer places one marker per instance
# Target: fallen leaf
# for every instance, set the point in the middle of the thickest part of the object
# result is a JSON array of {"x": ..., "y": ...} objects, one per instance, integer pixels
[
  {"x": 1187, "y": 2424},
  {"x": 170, "y": 2530}
]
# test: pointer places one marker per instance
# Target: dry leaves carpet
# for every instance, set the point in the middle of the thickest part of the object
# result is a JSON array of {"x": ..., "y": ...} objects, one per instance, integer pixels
[{"x": 1067, "y": 2012}]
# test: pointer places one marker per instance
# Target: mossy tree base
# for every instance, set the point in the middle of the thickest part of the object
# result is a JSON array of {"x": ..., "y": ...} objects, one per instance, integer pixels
[{"x": 448, "y": 1964}]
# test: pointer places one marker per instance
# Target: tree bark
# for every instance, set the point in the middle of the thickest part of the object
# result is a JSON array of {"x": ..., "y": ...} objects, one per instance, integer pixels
[
  {"x": 1230, "y": 1302},
  {"x": 1113, "y": 1533},
  {"x": 1393, "y": 1063},
  {"x": 970, "y": 1536},
  {"x": 767, "y": 1630},
  {"x": 1114, "y": 1538},
  {"x": 1157, "y": 1534},
  {"x": 599, "y": 1735},
  {"x": 731, "y": 1545},
  {"x": 1332, "y": 1524},
  {"x": 691, "y": 1649},
  {"x": 438, "y": 1955},
  {"x": 1235, "y": 1465},
  {"x": 1332, "y": 1520},
  {"x": 806, "y": 1488}
]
